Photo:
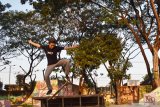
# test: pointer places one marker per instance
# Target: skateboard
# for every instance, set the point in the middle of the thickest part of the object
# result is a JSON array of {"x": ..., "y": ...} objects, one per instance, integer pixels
[{"x": 51, "y": 97}]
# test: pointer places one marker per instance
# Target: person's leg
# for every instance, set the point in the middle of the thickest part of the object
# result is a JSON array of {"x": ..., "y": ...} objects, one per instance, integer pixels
[
  {"x": 47, "y": 79},
  {"x": 65, "y": 64}
]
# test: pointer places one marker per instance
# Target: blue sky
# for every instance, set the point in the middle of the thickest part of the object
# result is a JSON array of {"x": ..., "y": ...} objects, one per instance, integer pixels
[
  {"x": 16, "y": 5},
  {"x": 138, "y": 70}
]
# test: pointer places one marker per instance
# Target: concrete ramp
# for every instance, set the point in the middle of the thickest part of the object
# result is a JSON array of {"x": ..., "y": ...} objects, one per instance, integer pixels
[
  {"x": 40, "y": 90},
  {"x": 152, "y": 97}
]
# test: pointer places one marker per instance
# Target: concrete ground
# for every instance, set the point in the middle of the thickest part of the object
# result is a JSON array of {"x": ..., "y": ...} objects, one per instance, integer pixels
[{"x": 135, "y": 105}]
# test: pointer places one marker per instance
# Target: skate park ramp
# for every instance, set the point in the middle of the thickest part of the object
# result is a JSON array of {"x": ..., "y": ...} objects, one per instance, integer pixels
[{"x": 152, "y": 97}]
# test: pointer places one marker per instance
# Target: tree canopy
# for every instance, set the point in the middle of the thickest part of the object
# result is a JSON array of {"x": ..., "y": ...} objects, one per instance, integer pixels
[{"x": 95, "y": 51}]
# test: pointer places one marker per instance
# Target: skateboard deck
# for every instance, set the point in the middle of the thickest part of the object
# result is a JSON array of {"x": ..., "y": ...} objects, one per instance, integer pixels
[{"x": 52, "y": 96}]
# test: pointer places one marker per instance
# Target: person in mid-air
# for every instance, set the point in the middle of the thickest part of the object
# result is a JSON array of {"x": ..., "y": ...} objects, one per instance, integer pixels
[{"x": 51, "y": 51}]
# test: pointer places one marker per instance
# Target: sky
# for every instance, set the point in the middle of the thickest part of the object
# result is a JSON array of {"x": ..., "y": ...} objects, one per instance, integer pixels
[
  {"x": 137, "y": 71},
  {"x": 16, "y": 5}
]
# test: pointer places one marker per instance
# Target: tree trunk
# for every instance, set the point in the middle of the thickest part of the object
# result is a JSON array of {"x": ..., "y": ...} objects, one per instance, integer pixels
[
  {"x": 138, "y": 40},
  {"x": 117, "y": 93},
  {"x": 155, "y": 66}
]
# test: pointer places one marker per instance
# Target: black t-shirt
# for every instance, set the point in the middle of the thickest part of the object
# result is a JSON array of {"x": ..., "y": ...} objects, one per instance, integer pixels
[{"x": 51, "y": 54}]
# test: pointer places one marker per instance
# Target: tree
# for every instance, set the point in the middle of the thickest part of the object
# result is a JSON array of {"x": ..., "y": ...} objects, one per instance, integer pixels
[
  {"x": 19, "y": 27},
  {"x": 85, "y": 18},
  {"x": 95, "y": 51},
  {"x": 145, "y": 27},
  {"x": 88, "y": 16},
  {"x": 52, "y": 7},
  {"x": 141, "y": 19},
  {"x": 3, "y": 44},
  {"x": 117, "y": 69}
]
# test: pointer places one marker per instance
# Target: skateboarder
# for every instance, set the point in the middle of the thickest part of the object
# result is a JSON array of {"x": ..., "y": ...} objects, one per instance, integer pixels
[{"x": 51, "y": 51}]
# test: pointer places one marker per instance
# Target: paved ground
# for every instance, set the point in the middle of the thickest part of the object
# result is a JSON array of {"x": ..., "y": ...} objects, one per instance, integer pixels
[
  {"x": 123, "y": 105},
  {"x": 135, "y": 105}
]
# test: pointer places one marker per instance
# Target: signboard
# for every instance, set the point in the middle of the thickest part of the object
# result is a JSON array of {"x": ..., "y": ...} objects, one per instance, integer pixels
[
  {"x": 129, "y": 94},
  {"x": 133, "y": 83}
]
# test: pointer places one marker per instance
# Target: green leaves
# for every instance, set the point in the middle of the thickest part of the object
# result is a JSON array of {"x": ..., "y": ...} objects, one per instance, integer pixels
[{"x": 98, "y": 50}]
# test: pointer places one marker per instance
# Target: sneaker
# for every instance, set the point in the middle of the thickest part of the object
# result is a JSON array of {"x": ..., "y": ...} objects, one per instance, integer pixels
[{"x": 49, "y": 92}]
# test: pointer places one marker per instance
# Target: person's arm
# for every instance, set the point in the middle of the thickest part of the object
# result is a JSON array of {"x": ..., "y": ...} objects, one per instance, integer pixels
[
  {"x": 34, "y": 44},
  {"x": 70, "y": 47}
]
